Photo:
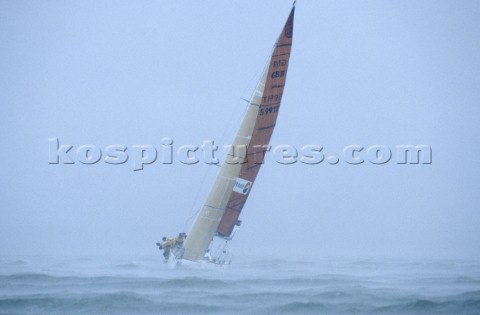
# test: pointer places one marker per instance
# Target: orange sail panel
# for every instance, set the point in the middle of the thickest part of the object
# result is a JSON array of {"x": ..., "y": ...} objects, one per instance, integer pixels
[{"x": 262, "y": 132}]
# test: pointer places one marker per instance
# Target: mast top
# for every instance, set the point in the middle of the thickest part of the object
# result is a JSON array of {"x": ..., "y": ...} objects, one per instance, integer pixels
[{"x": 294, "y": 1}]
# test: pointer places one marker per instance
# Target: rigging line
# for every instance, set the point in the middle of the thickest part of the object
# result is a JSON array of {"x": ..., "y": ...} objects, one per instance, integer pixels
[
  {"x": 192, "y": 208},
  {"x": 244, "y": 99},
  {"x": 257, "y": 76}
]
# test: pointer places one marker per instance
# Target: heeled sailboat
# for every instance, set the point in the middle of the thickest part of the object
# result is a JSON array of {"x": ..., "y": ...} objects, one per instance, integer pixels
[{"x": 218, "y": 219}]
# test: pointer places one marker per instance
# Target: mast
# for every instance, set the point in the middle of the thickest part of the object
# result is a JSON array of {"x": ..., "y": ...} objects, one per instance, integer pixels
[
  {"x": 230, "y": 191},
  {"x": 209, "y": 217},
  {"x": 264, "y": 125}
]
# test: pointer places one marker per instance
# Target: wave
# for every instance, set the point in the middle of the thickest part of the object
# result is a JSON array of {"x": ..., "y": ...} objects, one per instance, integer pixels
[
  {"x": 238, "y": 298},
  {"x": 33, "y": 279},
  {"x": 422, "y": 306},
  {"x": 20, "y": 262},
  {"x": 135, "y": 286},
  {"x": 222, "y": 281},
  {"x": 414, "y": 307},
  {"x": 109, "y": 303},
  {"x": 127, "y": 266}
]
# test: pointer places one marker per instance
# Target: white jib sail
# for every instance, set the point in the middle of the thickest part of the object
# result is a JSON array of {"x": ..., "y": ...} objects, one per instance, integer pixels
[{"x": 206, "y": 223}]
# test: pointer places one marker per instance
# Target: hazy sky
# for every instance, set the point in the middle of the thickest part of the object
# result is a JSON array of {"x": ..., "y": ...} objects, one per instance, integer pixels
[{"x": 134, "y": 72}]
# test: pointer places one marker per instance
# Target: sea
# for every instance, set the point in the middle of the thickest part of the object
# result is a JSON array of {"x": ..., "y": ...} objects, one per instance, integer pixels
[{"x": 102, "y": 285}]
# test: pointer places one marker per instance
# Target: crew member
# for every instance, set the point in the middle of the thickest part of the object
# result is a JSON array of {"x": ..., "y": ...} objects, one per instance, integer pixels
[
  {"x": 180, "y": 239},
  {"x": 166, "y": 245}
]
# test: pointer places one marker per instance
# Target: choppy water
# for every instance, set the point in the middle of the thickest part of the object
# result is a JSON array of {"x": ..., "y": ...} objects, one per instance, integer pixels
[{"x": 249, "y": 286}]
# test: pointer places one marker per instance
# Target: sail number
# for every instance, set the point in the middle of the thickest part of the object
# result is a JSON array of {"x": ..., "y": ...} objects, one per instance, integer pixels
[
  {"x": 272, "y": 98},
  {"x": 278, "y": 74},
  {"x": 268, "y": 110},
  {"x": 279, "y": 63}
]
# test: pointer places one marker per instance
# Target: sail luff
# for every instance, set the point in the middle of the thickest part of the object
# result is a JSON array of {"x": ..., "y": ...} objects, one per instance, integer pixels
[
  {"x": 234, "y": 181},
  {"x": 264, "y": 125},
  {"x": 207, "y": 221}
]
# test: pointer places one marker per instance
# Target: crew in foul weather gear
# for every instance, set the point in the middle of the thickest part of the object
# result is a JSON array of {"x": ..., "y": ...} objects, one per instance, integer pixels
[{"x": 169, "y": 243}]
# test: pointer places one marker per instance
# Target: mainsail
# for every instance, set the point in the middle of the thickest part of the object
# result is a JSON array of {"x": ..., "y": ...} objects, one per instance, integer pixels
[{"x": 230, "y": 191}]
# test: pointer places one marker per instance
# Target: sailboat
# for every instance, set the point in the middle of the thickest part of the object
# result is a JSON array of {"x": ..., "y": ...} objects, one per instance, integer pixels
[{"x": 218, "y": 219}]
